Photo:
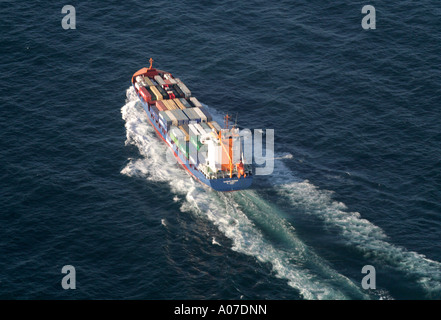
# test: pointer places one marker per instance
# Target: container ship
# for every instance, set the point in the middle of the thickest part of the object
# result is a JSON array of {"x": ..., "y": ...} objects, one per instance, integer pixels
[{"x": 210, "y": 153}]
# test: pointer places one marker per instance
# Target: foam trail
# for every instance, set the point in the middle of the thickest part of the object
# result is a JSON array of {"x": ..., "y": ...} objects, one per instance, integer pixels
[
  {"x": 360, "y": 233},
  {"x": 297, "y": 263}
]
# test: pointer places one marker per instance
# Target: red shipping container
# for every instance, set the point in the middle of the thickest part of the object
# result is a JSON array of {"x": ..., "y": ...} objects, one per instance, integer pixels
[
  {"x": 161, "y": 106},
  {"x": 145, "y": 94}
]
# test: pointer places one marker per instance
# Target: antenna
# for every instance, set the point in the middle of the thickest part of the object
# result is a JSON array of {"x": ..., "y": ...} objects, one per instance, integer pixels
[{"x": 226, "y": 119}]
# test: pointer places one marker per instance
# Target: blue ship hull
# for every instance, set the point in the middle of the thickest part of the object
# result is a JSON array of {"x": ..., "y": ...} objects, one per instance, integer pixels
[{"x": 224, "y": 184}]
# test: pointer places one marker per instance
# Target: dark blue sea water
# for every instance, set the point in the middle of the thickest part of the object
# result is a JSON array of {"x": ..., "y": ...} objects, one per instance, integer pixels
[{"x": 356, "y": 115}]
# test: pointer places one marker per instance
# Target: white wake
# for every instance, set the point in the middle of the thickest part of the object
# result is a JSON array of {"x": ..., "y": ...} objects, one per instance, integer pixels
[{"x": 298, "y": 264}]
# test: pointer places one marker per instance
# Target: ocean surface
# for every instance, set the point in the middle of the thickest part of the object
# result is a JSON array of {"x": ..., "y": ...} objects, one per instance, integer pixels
[{"x": 357, "y": 178}]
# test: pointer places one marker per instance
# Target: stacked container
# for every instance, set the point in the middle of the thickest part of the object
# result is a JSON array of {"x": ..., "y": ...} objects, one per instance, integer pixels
[
  {"x": 185, "y": 102},
  {"x": 165, "y": 120},
  {"x": 201, "y": 114},
  {"x": 160, "y": 105},
  {"x": 172, "y": 117},
  {"x": 145, "y": 94},
  {"x": 177, "y": 91},
  {"x": 215, "y": 125},
  {"x": 183, "y": 88},
  {"x": 192, "y": 115},
  {"x": 178, "y": 136},
  {"x": 206, "y": 127},
  {"x": 195, "y": 102},
  {"x": 152, "y": 95},
  {"x": 207, "y": 114},
  {"x": 147, "y": 81},
  {"x": 162, "y": 92},
  {"x": 155, "y": 112},
  {"x": 184, "y": 129},
  {"x": 170, "y": 104},
  {"x": 156, "y": 92},
  {"x": 195, "y": 135},
  {"x": 180, "y": 116},
  {"x": 159, "y": 80},
  {"x": 179, "y": 103}
]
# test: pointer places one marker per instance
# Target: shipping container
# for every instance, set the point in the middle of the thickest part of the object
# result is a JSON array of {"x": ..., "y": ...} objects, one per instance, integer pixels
[
  {"x": 176, "y": 134},
  {"x": 185, "y": 129},
  {"x": 180, "y": 116},
  {"x": 179, "y": 103},
  {"x": 152, "y": 95},
  {"x": 184, "y": 89},
  {"x": 144, "y": 94},
  {"x": 185, "y": 102},
  {"x": 165, "y": 120},
  {"x": 206, "y": 126},
  {"x": 161, "y": 106},
  {"x": 155, "y": 111},
  {"x": 147, "y": 81},
  {"x": 178, "y": 92},
  {"x": 192, "y": 116},
  {"x": 184, "y": 147},
  {"x": 156, "y": 93},
  {"x": 215, "y": 126},
  {"x": 172, "y": 117},
  {"x": 195, "y": 102},
  {"x": 187, "y": 136},
  {"x": 179, "y": 138},
  {"x": 201, "y": 114},
  {"x": 195, "y": 137},
  {"x": 165, "y": 103},
  {"x": 159, "y": 80},
  {"x": 162, "y": 92},
  {"x": 170, "y": 105},
  {"x": 200, "y": 129},
  {"x": 207, "y": 114},
  {"x": 172, "y": 101}
]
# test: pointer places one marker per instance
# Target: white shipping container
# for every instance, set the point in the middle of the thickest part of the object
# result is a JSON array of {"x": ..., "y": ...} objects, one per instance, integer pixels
[
  {"x": 159, "y": 80},
  {"x": 184, "y": 89},
  {"x": 177, "y": 133},
  {"x": 200, "y": 129},
  {"x": 193, "y": 130},
  {"x": 201, "y": 114},
  {"x": 196, "y": 102}
]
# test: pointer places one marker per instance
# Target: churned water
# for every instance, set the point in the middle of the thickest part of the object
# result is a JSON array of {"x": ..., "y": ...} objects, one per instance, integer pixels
[{"x": 357, "y": 176}]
